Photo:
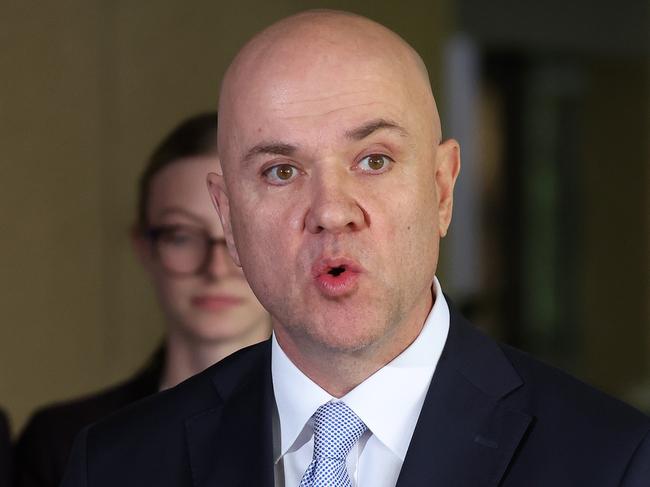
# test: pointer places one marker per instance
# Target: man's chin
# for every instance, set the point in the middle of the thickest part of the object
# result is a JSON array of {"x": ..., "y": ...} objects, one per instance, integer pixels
[{"x": 343, "y": 340}]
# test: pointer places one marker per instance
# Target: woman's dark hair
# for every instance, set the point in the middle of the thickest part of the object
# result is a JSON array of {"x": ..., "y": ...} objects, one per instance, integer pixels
[{"x": 195, "y": 136}]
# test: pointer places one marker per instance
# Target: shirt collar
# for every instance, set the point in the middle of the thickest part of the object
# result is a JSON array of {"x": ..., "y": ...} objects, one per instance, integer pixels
[
  {"x": 296, "y": 396},
  {"x": 388, "y": 402}
]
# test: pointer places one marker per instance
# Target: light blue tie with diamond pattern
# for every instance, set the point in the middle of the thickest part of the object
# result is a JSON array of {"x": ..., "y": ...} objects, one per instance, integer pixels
[{"x": 336, "y": 430}]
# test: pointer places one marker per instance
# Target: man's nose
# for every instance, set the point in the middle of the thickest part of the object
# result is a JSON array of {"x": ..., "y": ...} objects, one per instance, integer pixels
[{"x": 333, "y": 206}]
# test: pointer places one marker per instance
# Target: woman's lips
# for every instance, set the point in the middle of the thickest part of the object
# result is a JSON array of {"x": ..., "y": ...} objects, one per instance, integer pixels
[
  {"x": 337, "y": 277},
  {"x": 215, "y": 302}
]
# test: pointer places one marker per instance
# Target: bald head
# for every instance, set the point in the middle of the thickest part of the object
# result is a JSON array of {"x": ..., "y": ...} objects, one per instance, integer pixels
[
  {"x": 308, "y": 36},
  {"x": 306, "y": 58}
]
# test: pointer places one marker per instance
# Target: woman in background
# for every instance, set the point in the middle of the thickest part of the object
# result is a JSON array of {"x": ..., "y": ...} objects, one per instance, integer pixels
[{"x": 209, "y": 308}]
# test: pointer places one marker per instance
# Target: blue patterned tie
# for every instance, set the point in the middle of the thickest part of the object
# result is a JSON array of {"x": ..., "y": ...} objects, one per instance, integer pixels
[{"x": 336, "y": 430}]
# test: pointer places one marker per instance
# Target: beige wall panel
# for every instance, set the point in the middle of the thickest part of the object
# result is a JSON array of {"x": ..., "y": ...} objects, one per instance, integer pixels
[{"x": 52, "y": 247}]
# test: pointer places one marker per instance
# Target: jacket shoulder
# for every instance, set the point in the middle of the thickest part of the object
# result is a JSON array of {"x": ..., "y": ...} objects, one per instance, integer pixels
[
  {"x": 576, "y": 428},
  {"x": 148, "y": 443},
  {"x": 534, "y": 387},
  {"x": 548, "y": 390},
  {"x": 164, "y": 413}
]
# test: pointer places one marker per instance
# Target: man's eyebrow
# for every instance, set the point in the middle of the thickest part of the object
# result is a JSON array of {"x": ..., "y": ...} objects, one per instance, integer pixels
[
  {"x": 359, "y": 133},
  {"x": 372, "y": 126},
  {"x": 273, "y": 148}
]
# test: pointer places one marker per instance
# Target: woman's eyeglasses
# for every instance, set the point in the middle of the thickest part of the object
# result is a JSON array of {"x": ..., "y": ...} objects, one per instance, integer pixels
[{"x": 182, "y": 250}]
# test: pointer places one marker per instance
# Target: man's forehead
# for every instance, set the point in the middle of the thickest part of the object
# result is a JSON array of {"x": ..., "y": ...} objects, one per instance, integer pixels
[
  {"x": 347, "y": 93},
  {"x": 291, "y": 130},
  {"x": 316, "y": 77},
  {"x": 345, "y": 103},
  {"x": 373, "y": 75}
]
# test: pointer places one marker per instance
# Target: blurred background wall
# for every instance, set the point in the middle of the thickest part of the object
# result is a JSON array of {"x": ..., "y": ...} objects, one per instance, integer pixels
[{"x": 549, "y": 248}]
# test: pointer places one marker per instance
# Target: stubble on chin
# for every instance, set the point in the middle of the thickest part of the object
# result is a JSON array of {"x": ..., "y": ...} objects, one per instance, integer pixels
[{"x": 350, "y": 336}]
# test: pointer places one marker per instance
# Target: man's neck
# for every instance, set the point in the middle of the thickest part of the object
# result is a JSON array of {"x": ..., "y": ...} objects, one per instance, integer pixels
[{"x": 340, "y": 371}]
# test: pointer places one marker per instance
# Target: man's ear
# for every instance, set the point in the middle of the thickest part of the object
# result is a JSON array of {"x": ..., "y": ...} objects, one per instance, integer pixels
[
  {"x": 447, "y": 169},
  {"x": 219, "y": 196}
]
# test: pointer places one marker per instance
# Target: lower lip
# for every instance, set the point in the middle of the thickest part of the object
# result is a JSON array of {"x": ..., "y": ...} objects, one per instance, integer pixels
[
  {"x": 217, "y": 303},
  {"x": 338, "y": 286}
]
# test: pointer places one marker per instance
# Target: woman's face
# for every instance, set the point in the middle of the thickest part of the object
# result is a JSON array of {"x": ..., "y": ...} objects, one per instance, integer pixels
[{"x": 204, "y": 295}]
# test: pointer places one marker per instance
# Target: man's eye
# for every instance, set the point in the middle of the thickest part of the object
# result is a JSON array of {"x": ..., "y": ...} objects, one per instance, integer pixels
[
  {"x": 375, "y": 163},
  {"x": 280, "y": 174}
]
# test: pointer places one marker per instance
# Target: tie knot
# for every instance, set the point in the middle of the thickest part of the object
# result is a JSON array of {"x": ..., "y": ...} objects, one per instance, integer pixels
[{"x": 336, "y": 430}]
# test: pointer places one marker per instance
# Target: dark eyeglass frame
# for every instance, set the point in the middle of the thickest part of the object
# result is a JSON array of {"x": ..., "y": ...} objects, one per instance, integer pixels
[{"x": 154, "y": 233}]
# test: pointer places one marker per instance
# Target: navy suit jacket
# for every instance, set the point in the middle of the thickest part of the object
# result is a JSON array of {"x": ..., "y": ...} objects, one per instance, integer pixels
[{"x": 493, "y": 416}]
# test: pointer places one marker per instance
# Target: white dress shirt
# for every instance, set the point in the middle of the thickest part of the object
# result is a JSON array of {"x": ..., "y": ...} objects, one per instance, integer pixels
[{"x": 388, "y": 402}]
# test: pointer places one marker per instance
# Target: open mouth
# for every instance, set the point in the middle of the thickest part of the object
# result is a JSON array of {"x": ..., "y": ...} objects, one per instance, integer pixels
[
  {"x": 335, "y": 267},
  {"x": 337, "y": 277},
  {"x": 336, "y": 271}
]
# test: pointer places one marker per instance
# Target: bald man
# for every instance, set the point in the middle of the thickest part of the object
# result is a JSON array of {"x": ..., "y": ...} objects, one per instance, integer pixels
[{"x": 335, "y": 193}]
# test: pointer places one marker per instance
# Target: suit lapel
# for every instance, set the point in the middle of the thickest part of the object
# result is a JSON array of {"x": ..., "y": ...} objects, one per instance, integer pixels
[
  {"x": 465, "y": 434},
  {"x": 232, "y": 444}
]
